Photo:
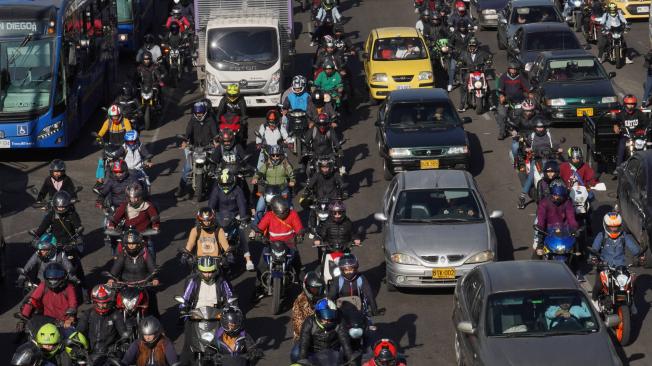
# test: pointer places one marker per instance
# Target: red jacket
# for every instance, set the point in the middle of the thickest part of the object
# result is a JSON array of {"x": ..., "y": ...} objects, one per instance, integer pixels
[
  {"x": 585, "y": 173},
  {"x": 281, "y": 230},
  {"x": 141, "y": 218},
  {"x": 50, "y": 303},
  {"x": 183, "y": 23}
]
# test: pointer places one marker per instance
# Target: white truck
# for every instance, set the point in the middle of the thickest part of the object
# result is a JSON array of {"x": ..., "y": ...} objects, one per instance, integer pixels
[{"x": 244, "y": 42}]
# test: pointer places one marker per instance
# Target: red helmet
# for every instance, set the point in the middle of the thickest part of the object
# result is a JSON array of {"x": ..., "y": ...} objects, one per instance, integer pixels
[
  {"x": 102, "y": 297},
  {"x": 119, "y": 166},
  {"x": 459, "y": 5},
  {"x": 385, "y": 352}
]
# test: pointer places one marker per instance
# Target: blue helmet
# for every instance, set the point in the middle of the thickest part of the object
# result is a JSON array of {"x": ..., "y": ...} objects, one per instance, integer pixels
[
  {"x": 131, "y": 139},
  {"x": 326, "y": 310},
  {"x": 558, "y": 189},
  {"x": 199, "y": 110}
]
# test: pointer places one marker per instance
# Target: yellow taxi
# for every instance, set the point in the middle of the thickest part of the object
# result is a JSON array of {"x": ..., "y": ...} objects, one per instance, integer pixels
[
  {"x": 396, "y": 58},
  {"x": 634, "y": 9}
]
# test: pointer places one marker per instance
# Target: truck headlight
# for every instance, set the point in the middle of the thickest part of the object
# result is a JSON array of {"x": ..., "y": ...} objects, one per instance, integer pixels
[
  {"x": 457, "y": 150},
  {"x": 481, "y": 257},
  {"x": 400, "y": 153},
  {"x": 401, "y": 258},
  {"x": 212, "y": 84},
  {"x": 559, "y": 102},
  {"x": 50, "y": 130},
  {"x": 274, "y": 83},
  {"x": 607, "y": 100},
  {"x": 425, "y": 75},
  {"x": 379, "y": 78}
]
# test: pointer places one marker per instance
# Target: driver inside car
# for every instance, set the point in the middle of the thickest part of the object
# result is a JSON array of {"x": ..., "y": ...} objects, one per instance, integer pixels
[{"x": 557, "y": 314}]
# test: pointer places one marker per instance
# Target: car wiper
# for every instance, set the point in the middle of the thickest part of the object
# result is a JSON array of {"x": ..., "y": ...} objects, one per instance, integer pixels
[
  {"x": 416, "y": 220},
  {"x": 451, "y": 219},
  {"x": 521, "y": 334},
  {"x": 28, "y": 38}
]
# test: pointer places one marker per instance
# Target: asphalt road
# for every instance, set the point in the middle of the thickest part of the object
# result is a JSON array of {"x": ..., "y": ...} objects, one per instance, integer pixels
[{"x": 418, "y": 319}]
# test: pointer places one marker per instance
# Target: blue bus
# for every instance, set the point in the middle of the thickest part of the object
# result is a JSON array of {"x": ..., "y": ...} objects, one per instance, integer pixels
[
  {"x": 132, "y": 29},
  {"x": 58, "y": 61}
]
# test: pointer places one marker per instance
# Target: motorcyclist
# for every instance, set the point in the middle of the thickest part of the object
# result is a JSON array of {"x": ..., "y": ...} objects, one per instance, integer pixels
[
  {"x": 129, "y": 104},
  {"x": 338, "y": 228},
  {"x": 276, "y": 171},
  {"x": 574, "y": 169},
  {"x": 227, "y": 198},
  {"x": 48, "y": 339},
  {"x": 317, "y": 106},
  {"x": 200, "y": 132},
  {"x": 116, "y": 125},
  {"x": 56, "y": 181},
  {"x": 437, "y": 28},
  {"x": 270, "y": 133},
  {"x": 177, "y": 17},
  {"x": 149, "y": 45},
  {"x": 460, "y": 15},
  {"x": 458, "y": 43},
  {"x": 330, "y": 81},
  {"x": 205, "y": 287},
  {"x": 323, "y": 141},
  {"x": 152, "y": 348},
  {"x": 326, "y": 183},
  {"x": 524, "y": 123},
  {"x": 103, "y": 326},
  {"x": 512, "y": 88},
  {"x": 343, "y": 45},
  {"x": 612, "y": 18},
  {"x": 550, "y": 174},
  {"x": 385, "y": 353},
  {"x": 610, "y": 245},
  {"x": 149, "y": 73},
  {"x": 54, "y": 297},
  {"x": 135, "y": 263},
  {"x": 630, "y": 119},
  {"x": 323, "y": 334},
  {"x": 352, "y": 283},
  {"x": 297, "y": 99},
  {"x": 138, "y": 213},
  {"x": 555, "y": 209},
  {"x": 232, "y": 340},
  {"x": 327, "y": 15},
  {"x": 314, "y": 289},
  {"x": 328, "y": 53},
  {"x": 46, "y": 252},
  {"x": 234, "y": 102},
  {"x": 471, "y": 58},
  {"x": 280, "y": 224},
  {"x": 229, "y": 155},
  {"x": 206, "y": 236},
  {"x": 541, "y": 144},
  {"x": 28, "y": 354},
  {"x": 423, "y": 24}
]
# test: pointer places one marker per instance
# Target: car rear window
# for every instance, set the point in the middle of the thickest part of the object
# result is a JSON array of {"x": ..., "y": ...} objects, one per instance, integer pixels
[
  {"x": 541, "y": 41},
  {"x": 534, "y": 14}
]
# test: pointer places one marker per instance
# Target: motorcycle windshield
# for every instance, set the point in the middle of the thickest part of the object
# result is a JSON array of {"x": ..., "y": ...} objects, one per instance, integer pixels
[{"x": 559, "y": 239}]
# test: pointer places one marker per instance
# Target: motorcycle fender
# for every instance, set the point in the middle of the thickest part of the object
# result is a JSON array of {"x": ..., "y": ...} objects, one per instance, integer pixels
[{"x": 277, "y": 274}]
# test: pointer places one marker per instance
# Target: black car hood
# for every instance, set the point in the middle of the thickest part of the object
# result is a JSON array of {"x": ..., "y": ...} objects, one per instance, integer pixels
[
  {"x": 425, "y": 137},
  {"x": 577, "y": 89},
  {"x": 492, "y": 4}
]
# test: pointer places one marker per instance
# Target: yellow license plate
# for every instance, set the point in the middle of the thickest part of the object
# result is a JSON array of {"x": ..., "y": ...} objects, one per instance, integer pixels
[
  {"x": 581, "y": 111},
  {"x": 430, "y": 164},
  {"x": 443, "y": 273}
]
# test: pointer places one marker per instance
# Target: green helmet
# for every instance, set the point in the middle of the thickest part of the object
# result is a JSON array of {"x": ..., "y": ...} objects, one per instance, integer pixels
[
  {"x": 443, "y": 45},
  {"x": 48, "y": 335},
  {"x": 78, "y": 341}
]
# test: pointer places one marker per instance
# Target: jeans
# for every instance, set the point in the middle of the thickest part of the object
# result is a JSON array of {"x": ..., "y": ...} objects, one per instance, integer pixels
[
  {"x": 295, "y": 353},
  {"x": 647, "y": 88},
  {"x": 187, "y": 166},
  {"x": 451, "y": 71},
  {"x": 501, "y": 116},
  {"x": 529, "y": 181},
  {"x": 620, "y": 154},
  {"x": 515, "y": 146}
]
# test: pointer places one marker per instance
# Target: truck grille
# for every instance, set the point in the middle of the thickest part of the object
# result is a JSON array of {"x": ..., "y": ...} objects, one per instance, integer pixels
[
  {"x": 248, "y": 86},
  {"x": 402, "y": 78}
]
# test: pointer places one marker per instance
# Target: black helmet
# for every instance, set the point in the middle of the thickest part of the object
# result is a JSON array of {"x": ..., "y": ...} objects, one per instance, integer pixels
[
  {"x": 280, "y": 207},
  {"x": 325, "y": 163},
  {"x": 551, "y": 166},
  {"x": 55, "y": 276},
  {"x": 226, "y": 180},
  {"x": 318, "y": 98},
  {"x": 231, "y": 321},
  {"x": 348, "y": 266},
  {"x": 134, "y": 193},
  {"x": 29, "y": 354},
  {"x": 206, "y": 218},
  {"x": 61, "y": 201},
  {"x": 147, "y": 56},
  {"x": 314, "y": 286},
  {"x": 150, "y": 326},
  {"x": 208, "y": 268},
  {"x": 275, "y": 153},
  {"x": 148, "y": 40},
  {"x": 425, "y": 14},
  {"x": 126, "y": 90},
  {"x": 176, "y": 11},
  {"x": 462, "y": 27},
  {"x": 132, "y": 236},
  {"x": 57, "y": 165}
]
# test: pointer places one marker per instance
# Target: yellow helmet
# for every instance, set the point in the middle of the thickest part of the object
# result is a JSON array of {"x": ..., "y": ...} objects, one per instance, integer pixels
[
  {"x": 232, "y": 92},
  {"x": 48, "y": 335},
  {"x": 612, "y": 8},
  {"x": 77, "y": 342}
]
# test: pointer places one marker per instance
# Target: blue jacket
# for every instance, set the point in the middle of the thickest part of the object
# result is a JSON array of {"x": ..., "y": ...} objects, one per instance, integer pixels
[
  {"x": 297, "y": 101},
  {"x": 233, "y": 202},
  {"x": 612, "y": 251}
]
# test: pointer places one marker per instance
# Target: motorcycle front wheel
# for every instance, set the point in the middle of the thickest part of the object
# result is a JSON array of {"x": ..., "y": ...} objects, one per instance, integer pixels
[
  {"x": 276, "y": 295},
  {"x": 618, "y": 59},
  {"x": 199, "y": 187},
  {"x": 624, "y": 328},
  {"x": 479, "y": 105},
  {"x": 147, "y": 118}
]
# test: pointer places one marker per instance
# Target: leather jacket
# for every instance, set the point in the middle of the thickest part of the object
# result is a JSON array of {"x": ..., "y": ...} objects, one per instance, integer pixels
[
  {"x": 337, "y": 232},
  {"x": 128, "y": 268},
  {"x": 63, "y": 226},
  {"x": 314, "y": 339},
  {"x": 102, "y": 331}
]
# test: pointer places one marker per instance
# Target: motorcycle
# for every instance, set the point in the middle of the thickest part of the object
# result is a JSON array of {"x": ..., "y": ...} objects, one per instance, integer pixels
[
  {"x": 149, "y": 105},
  {"x": 615, "y": 47},
  {"x": 174, "y": 57},
  {"x": 637, "y": 140},
  {"x": 594, "y": 29},
  {"x": 269, "y": 191},
  {"x": 110, "y": 153},
  {"x": 279, "y": 274},
  {"x": 356, "y": 322},
  {"x": 318, "y": 213},
  {"x": 118, "y": 231},
  {"x": 298, "y": 122},
  {"x": 575, "y": 17},
  {"x": 201, "y": 169},
  {"x": 204, "y": 324},
  {"x": 616, "y": 296},
  {"x": 477, "y": 88},
  {"x": 558, "y": 244}
]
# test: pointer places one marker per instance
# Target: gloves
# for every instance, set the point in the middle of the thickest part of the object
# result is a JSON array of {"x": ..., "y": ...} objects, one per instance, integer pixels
[
  {"x": 595, "y": 260},
  {"x": 641, "y": 260},
  {"x": 186, "y": 258}
]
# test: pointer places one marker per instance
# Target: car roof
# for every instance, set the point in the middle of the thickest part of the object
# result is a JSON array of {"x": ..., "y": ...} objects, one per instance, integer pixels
[
  {"x": 414, "y": 95},
  {"x": 566, "y": 53},
  {"x": 425, "y": 179},
  {"x": 525, "y": 3},
  {"x": 389, "y": 32},
  {"x": 545, "y": 27},
  {"x": 527, "y": 275}
]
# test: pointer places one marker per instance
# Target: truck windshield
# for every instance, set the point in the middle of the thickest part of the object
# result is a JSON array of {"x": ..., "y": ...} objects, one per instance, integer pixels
[
  {"x": 229, "y": 45},
  {"x": 125, "y": 11},
  {"x": 25, "y": 75}
]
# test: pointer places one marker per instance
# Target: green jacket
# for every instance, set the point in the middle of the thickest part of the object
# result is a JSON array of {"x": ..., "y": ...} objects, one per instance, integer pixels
[
  {"x": 276, "y": 175},
  {"x": 328, "y": 84}
]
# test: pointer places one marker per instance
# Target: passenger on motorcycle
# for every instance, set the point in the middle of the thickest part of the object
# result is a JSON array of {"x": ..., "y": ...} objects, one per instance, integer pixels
[
  {"x": 524, "y": 122},
  {"x": 330, "y": 81},
  {"x": 314, "y": 289},
  {"x": 276, "y": 171},
  {"x": 458, "y": 42},
  {"x": 460, "y": 15},
  {"x": 137, "y": 213},
  {"x": 323, "y": 141},
  {"x": 471, "y": 58},
  {"x": 324, "y": 335},
  {"x": 54, "y": 297},
  {"x": 55, "y": 182},
  {"x": 115, "y": 188},
  {"x": 280, "y": 224},
  {"x": 153, "y": 348},
  {"x": 385, "y": 353},
  {"x": 135, "y": 263},
  {"x": 149, "y": 45},
  {"x": 318, "y": 106},
  {"x": 352, "y": 283},
  {"x": 235, "y": 103},
  {"x": 574, "y": 169},
  {"x": 513, "y": 88},
  {"x": 206, "y": 236},
  {"x": 630, "y": 118},
  {"x": 540, "y": 143},
  {"x": 231, "y": 339},
  {"x": 103, "y": 326},
  {"x": 116, "y": 125},
  {"x": 149, "y": 73},
  {"x": 177, "y": 17},
  {"x": 612, "y": 18},
  {"x": 200, "y": 132},
  {"x": 555, "y": 209},
  {"x": 270, "y": 133}
]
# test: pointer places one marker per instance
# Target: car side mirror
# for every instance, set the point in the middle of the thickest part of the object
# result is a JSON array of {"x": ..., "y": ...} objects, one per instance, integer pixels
[
  {"x": 380, "y": 216},
  {"x": 612, "y": 74},
  {"x": 466, "y": 120},
  {"x": 611, "y": 321},
  {"x": 465, "y": 327},
  {"x": 496, "y": 214}
]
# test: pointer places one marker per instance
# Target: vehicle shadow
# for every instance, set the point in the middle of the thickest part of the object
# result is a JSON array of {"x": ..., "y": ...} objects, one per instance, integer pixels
[
  {"x": 641, "y": 303},
  {"x": 353, "y": 154},
  {"x": 504, "y": 246},
  {"x": 12, "y": 295},
  {"x": 477, "y": 155},
  {"x": 353, "y": 182}
]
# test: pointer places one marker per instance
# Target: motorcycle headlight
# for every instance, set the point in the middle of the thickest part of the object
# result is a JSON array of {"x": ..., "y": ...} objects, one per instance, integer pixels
[
  {"x": 477, "y": 84},
  {"x": 274, "y": 83},
  {"x": 322, "y": 216},
  {"x": 577, "y": 3},
  {"x": 123, "y": 37},
  {"x": 560, "y": 249},
  {"x": 401, "y": 258},
  {"x": 147, "y": 95},
  {"x": 200, "y": 158},
  {"x": 278, "y": 254},
  {"x": 615, "y": 35},
  {"x": 425, "y": 75},
  {"x": 129, "y": 304},
  {"x": 379, "y": 78},
  {"x": 174, "y": 53},
  {"x": 622, "y": 280},
  {"x": 400, "y": 153},
  {"x": 356, "y": 333},
  {"x": 558, "y": 102},
  {"x": 639, "y": 144},
  {"x": 611, "y": 99},
  {"x": 207, "y": 336},
  {"x": 444, "y": 49},
  {"x": 481, "y": 257},
  {"x": 212, "y": 84},
  {"x": 457, "y": 150}
]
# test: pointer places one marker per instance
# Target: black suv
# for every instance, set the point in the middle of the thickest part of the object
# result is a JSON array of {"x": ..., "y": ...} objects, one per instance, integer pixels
[{"x": 420, "y": 129}]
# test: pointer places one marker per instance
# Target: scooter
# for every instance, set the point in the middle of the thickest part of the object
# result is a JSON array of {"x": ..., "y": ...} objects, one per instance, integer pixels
[{"x": 204, "y": 324}]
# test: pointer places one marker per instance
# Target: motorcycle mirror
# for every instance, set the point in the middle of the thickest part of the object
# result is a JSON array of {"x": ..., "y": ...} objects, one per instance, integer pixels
[
  {"x": 496, "y": 214},
  {"x": 600, "y": 187},
  {"x": 466, "y": 120},
  {"x": 180, "y": 299},
  {"x": 150, "y": 232},
  {"x": 112, "y": 232}
]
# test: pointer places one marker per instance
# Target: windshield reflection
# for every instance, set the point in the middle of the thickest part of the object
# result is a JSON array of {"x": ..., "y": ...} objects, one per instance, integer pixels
[{"x": 258, "y": 45}]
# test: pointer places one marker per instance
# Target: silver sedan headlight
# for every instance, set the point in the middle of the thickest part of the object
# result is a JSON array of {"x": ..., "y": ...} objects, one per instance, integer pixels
[
  {"x": 401, "y": 258},
  {"x": 481, "y": 257}
]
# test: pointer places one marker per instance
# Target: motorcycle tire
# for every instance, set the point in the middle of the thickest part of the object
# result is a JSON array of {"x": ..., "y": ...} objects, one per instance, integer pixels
[
  {"x": 276, "y": 295},
  {"x": 624, "y": 328},
  {"x": 173, "y": 78},
  {"x": 198, "y": 182},
  {"x": 618, "y": 59},
  {"x": 147, "y": 118},
  {"x": 479, "y": 105},
  {"x": 298, "y": 147}
]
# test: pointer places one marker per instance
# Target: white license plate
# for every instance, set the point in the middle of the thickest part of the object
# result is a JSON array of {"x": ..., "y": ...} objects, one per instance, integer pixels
[
  {"x": 399, "y": 87},
  {"x": 643, "y": 9},
  {"x": 5, "y": 144}
]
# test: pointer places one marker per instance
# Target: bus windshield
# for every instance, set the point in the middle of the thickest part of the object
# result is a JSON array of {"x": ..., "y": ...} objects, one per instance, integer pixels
[
  {"x": 25, "y": 75},
  {"x": 125, "y": 11}
]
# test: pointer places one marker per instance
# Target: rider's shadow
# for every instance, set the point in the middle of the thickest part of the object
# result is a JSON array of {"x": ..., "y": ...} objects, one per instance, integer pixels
[
  {"x": 399, "y": 329},
  {"x": 272, "y": 329}
]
